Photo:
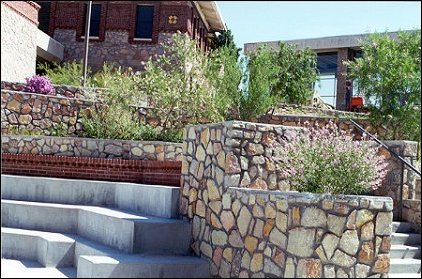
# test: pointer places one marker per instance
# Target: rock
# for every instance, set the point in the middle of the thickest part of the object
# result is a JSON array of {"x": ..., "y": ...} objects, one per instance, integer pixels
[
  {"x": 384, "y": 223},
  {"x": 25, "y": 119},
  {"x": 271, "y": 268},
  {"x": 246, "y": 260},
  {"x": 289, "y": 271},
  {"x": 200, "y": 208},
  {"x": 278, "y": 238},
  {"x": 243, "y": 220},
  {"x": 259, "y": 183},
  {"x": 228, "y": 220},
  {"x": 205, "y": 137},
  {"x": 232, "y": 164},
  {"x": 200, "y": 154},
  {"x": 213, "y": 193},
  {"x": 363, "y": 216},
  {"x": 342, "y": 259},
  {"x": 228, "y": 254},
  {"x": 251, "y": 243},
  {"x": 269, "y": 211},
  {"x": 366, "y": 253},
  {"x": 219, "y": 238},
  {"x": 313, "y": 217},
  {"x": 206, "y": 249},
  {"x": 329, "y": 271},
  {"x": 215, "y": 222},
  {"x": 235, "y": 240},
  {"x": 367, "y": 231},
  {"x": 269, "y": 225},
  {"x": 295, "y": 213},
  {"x": 330, "y": 243},
  {"x": 349, "y": 242},
  {"x": 281, "y": 221},
  {"x": 336, "y": 224},
  {"x": 309, "y": 268},
  {"x": 362, "y": 271},
  {"x": 259, "y": 227},
  {"x": 301, "y": 242},
  {"x": 382, "y": 264},
  {"x": 341, "y": 273}
]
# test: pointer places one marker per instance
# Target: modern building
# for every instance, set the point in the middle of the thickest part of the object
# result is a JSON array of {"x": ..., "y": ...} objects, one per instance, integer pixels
[
  {"x": 334, "y": 88},
  {"x": 22, "y": 43},
  {"x": 127, "y": 33}
]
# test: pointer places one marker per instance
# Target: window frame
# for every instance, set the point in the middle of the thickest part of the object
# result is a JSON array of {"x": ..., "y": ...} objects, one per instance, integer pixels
[{"x": 139, "y": 39}]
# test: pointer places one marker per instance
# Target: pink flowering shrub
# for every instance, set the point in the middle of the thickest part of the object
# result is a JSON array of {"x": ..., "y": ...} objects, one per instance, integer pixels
[
  {"x": 39, "y": 84},
  {"x": 326, "y": 160}
]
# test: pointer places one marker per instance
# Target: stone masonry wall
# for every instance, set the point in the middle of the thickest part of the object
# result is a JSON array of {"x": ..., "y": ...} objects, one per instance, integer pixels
[
  {"x": 412, "y": 213},
  {"x": 93, "y": 148},
  {"x": 115, "y": 49},
  {"x": 251, "y": 229},
  {"x": 41, "y": 113},
  {"x": 18, "y": 39}
]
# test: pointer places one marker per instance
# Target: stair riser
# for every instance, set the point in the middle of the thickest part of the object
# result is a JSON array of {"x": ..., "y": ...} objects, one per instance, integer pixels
[
  {"x": 87, "y": 269},
  {"x": 405, "y": 268},
  {"x": 49, "y": 219},
  {"x": 122, "y": 234},
  {"x": 47, "y": 253},
  {"x": 145, "y": 199},
  {"x": 410, "y": 239},
  {"x": 402, "y": 227},
  {"x": 403, "y": 254}
]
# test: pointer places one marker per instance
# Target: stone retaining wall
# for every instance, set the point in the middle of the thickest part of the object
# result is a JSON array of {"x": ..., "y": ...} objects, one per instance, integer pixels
[
  {"x": 412, "y": 213},
  {"x": 246, "y": 230},
  {"x": 94, "y": 148}
]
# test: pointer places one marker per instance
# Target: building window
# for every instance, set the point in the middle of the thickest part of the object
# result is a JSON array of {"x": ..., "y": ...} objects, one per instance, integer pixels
[
  {"x": 144, "y": 22},
  {"x": 326, "y": 88},
  {"x": 94, "y": 28},
  {"x": 44, "y": 16}
]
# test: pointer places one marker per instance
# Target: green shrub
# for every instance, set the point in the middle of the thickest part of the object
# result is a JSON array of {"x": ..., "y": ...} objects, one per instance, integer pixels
[{"x": 68, "y": 73}]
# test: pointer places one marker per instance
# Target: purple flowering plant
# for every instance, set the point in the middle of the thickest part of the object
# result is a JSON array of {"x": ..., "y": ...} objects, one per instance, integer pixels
[
  {"x": 39, "y": 84},
  {"x": 327, "y": 160}
]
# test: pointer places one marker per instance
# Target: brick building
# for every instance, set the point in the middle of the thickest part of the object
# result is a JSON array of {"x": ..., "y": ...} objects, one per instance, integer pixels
[
  {"x": 334, "y": 88},
  {"x": 127, "y": 33}
]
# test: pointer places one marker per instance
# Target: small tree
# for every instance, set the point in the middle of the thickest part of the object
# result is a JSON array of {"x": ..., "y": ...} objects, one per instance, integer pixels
[
  {"x": 296, "y": 74},
  {"x": 389, "y": 76},
  {"x": 177, "y": 85}
]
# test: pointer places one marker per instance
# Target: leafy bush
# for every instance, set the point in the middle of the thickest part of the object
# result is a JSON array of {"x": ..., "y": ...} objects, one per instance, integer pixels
[
  {"x": 68, "y": 73},
  {"x": 389, "y": 76},
  {"x": 178, "y": 88},
  {"x": 39, "y": 84},
  {"x": 325, "y": 160}
]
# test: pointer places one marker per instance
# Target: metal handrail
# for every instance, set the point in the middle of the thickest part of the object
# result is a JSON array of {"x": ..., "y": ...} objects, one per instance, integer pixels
[{"x": 386, "y": 147}]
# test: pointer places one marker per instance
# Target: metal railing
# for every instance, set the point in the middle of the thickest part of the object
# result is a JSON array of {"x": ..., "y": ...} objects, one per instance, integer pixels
[{"x": 401, "y": 159}]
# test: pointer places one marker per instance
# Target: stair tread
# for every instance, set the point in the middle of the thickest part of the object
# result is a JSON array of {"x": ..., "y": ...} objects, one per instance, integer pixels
[
  {"x": 49, "y": 236},
  {"x": 405, "y": 261},
  {"x": 402, "y": 247},
  {"x": 31, "y": 269},
  {"x": 110, "y": 212},
  {"x": 404, "y": 275}
]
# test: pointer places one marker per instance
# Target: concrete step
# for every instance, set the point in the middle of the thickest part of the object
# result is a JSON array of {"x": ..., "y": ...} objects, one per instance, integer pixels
[
  {"x": 405, "y": 266},
  {"x": 405, "y": 252},
  {"x": 406, "y": 239},
  {"x": 122, "y": 230},
  {"x": 31, "y": 269},
  {"x": 48, "y": 249},
  {"x": 160, "y": 201},
  {"x": 402, "y": 227},
  {"x": 404, "y": 275},
  {"x": 142, "y": 266}
]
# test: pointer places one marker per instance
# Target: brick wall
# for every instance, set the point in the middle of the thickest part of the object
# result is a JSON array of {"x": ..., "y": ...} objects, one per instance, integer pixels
[
  {"x": 135, "y": 171},
  {"x": 116, "y": 43}
]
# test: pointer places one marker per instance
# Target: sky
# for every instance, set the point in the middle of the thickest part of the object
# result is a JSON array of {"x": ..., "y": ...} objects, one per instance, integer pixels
[{"x": 255, "y": 21}]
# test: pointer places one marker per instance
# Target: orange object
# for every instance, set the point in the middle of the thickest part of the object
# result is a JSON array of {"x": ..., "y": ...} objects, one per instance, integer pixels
[{"x": 357, "y": 101}]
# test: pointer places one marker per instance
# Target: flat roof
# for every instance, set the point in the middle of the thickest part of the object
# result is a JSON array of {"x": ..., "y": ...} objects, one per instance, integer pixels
[{"x": 320, "y": 44}]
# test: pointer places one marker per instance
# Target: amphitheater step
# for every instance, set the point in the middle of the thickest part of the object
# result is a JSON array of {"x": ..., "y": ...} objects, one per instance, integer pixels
[
  {"x": 405, "y": 252},
  {"x": 402, "y": 227},
  {"x": 140, "y": 266},
  {"x": 405, "y": 266},
  {"x": 48, "y": 249},
  {"x": 159, "y": 201},
  {"x": 30, "y": 269},
  {"x": 126, "y": 231},
  {"x": 406, "y": 239}
]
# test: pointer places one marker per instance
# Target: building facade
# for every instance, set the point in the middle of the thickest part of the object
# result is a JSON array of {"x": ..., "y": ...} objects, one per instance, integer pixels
[
  {"x": 333, "y": 88},
  {"x": 127, "y": 33}
]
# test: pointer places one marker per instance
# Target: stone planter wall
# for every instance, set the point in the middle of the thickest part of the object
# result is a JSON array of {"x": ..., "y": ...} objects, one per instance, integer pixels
[
  {"x": 41, "y": 113},
  {"x": 94, "y": 148},
  {"x": 251, "y": 229}
]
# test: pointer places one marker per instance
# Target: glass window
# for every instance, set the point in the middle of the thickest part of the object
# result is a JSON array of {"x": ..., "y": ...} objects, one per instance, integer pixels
[
  {"x": 94, "y": 28},
  {"x": 44, "y": 16},
  {"x": 326, "y": 89},
  {"x": 144, "y": 21},
  {"x": 327, "y": 63}
]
